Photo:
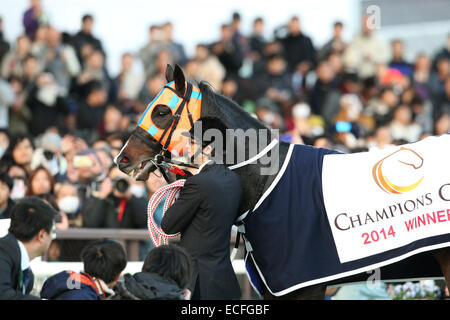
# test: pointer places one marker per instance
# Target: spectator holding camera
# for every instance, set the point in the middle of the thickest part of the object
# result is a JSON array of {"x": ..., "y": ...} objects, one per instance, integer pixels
[
  {"x": 48, "y": 155},
  {"x": 85, "y": 169},
  {"x": 19, "y": 177},
  {"x": 114, "y": 205}
]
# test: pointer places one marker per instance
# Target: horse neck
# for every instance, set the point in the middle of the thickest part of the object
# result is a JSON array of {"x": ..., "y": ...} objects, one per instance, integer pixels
[
  {"x": 251, "y": 175},
  {"x": 254, "y": 183}
]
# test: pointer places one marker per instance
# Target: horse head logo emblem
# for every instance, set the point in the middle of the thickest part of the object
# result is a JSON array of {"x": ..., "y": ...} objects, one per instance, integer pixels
[{"x": 404, "y": 169}]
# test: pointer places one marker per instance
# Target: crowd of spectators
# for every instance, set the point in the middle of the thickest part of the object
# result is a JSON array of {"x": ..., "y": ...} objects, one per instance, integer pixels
[{"x": 64, "y": 116}]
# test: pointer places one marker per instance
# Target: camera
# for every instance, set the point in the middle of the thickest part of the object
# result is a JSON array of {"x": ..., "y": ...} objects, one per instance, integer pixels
[
  {"x": 121, "y": 184},
  {"x": 48, "y": 154}
]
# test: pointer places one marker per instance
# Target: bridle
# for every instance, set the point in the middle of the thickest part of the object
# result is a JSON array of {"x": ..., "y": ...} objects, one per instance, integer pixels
[
  {"x": 164, "y": 163},
  {"x": 161, "y": 161}
]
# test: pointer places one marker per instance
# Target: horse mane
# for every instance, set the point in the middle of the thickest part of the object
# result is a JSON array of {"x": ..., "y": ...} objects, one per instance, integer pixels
[{"x": 233, "y": 115}]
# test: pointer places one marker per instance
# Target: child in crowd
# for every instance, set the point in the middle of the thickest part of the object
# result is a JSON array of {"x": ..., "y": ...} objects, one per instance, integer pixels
[
  {"x": 165, "y": 276},
  {"x": 103, "y": 260}
]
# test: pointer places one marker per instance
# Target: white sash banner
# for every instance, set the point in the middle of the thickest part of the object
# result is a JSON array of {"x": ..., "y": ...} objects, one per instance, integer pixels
[{"x": 386, "y": 199}]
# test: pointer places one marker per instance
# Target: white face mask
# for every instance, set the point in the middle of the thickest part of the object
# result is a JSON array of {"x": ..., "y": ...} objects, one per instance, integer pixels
[
  {"x": 69, "y": 204},
  {"x": 48, "y": 95},
  {"x": 18, "y": 190},
  {"x": 137, "y": 191}
]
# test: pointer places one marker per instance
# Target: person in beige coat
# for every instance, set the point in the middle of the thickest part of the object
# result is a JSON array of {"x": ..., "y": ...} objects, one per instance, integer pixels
[
  {"x": 209, "y": 68},
  {"x": 366, "y": 51}
]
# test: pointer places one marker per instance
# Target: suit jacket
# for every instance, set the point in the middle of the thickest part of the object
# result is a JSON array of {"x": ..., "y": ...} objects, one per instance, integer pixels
[
  {"x": 10, "y": 271},
  {"x": 204, "y": 214}
]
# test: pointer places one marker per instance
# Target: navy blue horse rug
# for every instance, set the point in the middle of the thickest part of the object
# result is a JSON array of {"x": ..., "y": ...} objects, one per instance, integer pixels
[{"x": 331, "y": 217}]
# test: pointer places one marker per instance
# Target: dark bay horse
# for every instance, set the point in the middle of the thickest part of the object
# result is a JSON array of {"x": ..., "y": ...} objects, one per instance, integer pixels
[{"x": 138, "y": 155}]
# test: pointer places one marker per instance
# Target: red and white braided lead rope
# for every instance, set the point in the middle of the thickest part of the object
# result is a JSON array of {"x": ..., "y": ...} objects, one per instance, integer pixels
[{"x": 158, "y": 236}]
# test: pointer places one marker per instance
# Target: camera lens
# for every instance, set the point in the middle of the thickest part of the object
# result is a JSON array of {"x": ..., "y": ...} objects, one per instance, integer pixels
[
  {"x": 48, "y": 154},
  {"x": 121, "y": 185}
]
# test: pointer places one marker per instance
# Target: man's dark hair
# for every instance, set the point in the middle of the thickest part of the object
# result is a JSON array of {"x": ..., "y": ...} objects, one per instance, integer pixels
[
  {"x": 236, "y": 16},
  {"x": 30, "y": 57},
  {"x": 87, "y": 17},
  {"x": 171, "y": 262},
  {"x": 6, "y": 179},
  {"x": 338, "y": 24},
  {"x": 258, "y": 19},
  {"x": 104, "y": 259},
  {"x": 94, "y": 85},
  {"x": 29, "y": 216}
]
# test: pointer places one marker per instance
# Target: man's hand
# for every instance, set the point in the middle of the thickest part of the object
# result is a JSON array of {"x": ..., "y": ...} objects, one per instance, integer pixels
[
  {"x": 106, "y": 188},
  {"x": 187, "y": 294}
]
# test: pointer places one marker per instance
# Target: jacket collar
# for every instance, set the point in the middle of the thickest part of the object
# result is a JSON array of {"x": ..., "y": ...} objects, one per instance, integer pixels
[{"x": 202, "y": 167}]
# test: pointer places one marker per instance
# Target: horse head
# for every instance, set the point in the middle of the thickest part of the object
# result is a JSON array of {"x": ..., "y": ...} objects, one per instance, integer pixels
[
  {"x": 174, "y": 110},
  {"x": 410, "y": 158},
  {"x": 171, "y": 112}
]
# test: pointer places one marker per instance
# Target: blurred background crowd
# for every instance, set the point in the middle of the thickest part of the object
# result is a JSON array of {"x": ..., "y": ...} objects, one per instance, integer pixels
[{"x": 64, "y": 116}]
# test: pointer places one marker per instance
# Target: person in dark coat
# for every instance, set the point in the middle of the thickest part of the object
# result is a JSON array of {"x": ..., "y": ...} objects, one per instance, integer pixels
[
  {"x": 85, "y": 37},
  {"x": 298, "y": 48},
  {"x": 30, "y": 235},
  {"x": 48, "y": 107},
  {"x": 165, "y": 276},
  {"x": 91, "y": 108},
  {"x": 228, "y": 52},
  {"x": 4, "y": 44},
  {"x": 114, "y": 206},
  {"x": 103, "y": 261},
  {"x": 204, "y": 214},
  {"x": 274, "y": 82}
]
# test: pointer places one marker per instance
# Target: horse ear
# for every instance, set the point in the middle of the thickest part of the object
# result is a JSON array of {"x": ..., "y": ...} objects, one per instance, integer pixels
[
  {"x": 178, "y": 77},
  {"x": 169, "y": 73}
]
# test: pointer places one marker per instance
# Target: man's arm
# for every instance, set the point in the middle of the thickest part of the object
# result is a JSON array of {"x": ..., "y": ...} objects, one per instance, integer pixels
[{"x": 180, "y": 214}]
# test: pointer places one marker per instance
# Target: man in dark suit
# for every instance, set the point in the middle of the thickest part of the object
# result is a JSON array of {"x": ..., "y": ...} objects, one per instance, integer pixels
[
  {"x": 204, "y": 214},
  {"x": 30, "y": 235}
]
